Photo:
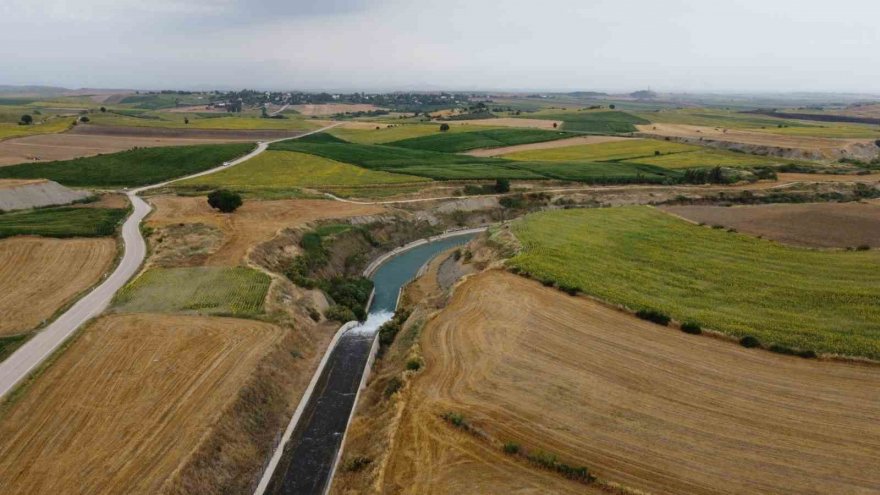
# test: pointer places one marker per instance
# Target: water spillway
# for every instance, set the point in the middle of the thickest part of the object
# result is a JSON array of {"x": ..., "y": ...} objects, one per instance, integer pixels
[{"x": 311, "y": 454}]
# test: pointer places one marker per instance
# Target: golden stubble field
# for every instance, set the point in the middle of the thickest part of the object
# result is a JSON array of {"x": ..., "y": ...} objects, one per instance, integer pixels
[
  {"x": 40, "y": 275},
  {"x": 648, "y": 407},
  {"x": 127, "y": 403},
  {"x": 255, "y": 222}
]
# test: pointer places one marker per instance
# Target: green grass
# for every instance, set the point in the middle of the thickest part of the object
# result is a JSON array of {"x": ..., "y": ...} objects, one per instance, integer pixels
[
  {"x": 130, "y": 168},
  {"x": 62, "y": 222},
  {"x": 278, "y": 170},
  {"x": 827, "y": 301},
  {"x": 591, "y": 122},
  {"x": 386, "y": 134},
  {"x": 463, "y": 141},
  {"x": 601, "y": 152},
  {"x": 9, "y": 344},
  {"x": 237, "y": 291}
]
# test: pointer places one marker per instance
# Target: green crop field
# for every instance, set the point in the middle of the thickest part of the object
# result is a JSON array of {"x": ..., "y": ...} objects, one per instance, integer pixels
[
  {"x": 463, "y": 141},
  {"x": 274, "y": 170},
  {"x": 600, "y": 172},
  {"x": 827, "y": 301},
  {"x": 603, "y": 152},
  {"x": 130, "y": 168},
  {"x": 62, "y": 222},
  {"x": 127, "y": 118},
  {"x": 385, "y": 134},
  {"x": 235, "y": 291},
  {"x": 715, "y": 117},
  {"x": 591, "y": 122},
  {"x": 711, "y": 158}
]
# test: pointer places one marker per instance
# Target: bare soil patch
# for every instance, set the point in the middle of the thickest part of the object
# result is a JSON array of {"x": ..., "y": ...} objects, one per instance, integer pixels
[
  {"x": 324, "y": 110},
  {"x": 802, "y": 147},
  {"x": 546, "y": 145},
  {"x": 833, "y": 225},
  {"x": 648, "y": 407},
  {"x": 255, "y": 222},
  {"x": 39, "y": 275},
  {"x": 129, "y": 403},
  {"x": 69, "y": 145},
  {"x": 18, "y": 194}
]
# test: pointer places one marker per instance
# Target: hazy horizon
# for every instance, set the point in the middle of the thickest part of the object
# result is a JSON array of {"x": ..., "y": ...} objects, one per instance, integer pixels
[{"x": 742, "y": 46}]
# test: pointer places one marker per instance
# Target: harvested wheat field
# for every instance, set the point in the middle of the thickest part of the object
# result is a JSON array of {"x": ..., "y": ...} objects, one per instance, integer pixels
[
  {"x": 253, "y": 223},
  {"x": 325, "y": 109},
  {"x": 829, "y": 225},
  {"x": 67, "y": 146},
  {"x": 40, "y": 275},
  {"x": 648, "y": 407},
  {"x": 127, "y": 403},
  {"x": 816, "y": 147},
  {"x": 546, "y": 145},
  {"x": 514, "y": 122}
]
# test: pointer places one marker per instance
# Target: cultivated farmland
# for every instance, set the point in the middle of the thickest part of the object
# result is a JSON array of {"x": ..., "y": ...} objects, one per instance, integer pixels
[
  {"x": 595, "y": 122},
  {"x": 130, "y": 168},
  {"x": 645, "y": 259},
  {"x": 236, "y": 291},
  {"x": 62, "y": 222},
  {"x": 607, "y": 151},
  {"x": 39, "y": 276},
  {"x": 128, "y": 403},
  {"x": 367, "y": 133},
  {"x": 829, "y": 225},
  {"x": 464, "y": 141},
  {"x": 288, "y": 170},
  {"x": 646, "y": 407}
]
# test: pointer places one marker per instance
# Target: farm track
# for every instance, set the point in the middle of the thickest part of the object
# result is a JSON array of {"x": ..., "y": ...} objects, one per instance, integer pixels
[
  {"x": 641, "y": 405},
  {"x": 30, "y": 355}
]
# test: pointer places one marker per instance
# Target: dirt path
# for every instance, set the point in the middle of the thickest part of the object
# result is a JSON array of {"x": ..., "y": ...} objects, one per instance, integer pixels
[
  {"x": 648, "y": 407},
  {"x": 546, "y": 145}
]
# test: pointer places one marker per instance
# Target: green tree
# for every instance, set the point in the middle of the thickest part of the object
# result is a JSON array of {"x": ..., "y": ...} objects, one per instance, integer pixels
[
  {"x": 27, "y": 119},
  {"x": 502, "y": 185},
  {"x": 444, "y": 127},
  {"x": 224, "y": 200},
  {"x": 103, "y": 109}
]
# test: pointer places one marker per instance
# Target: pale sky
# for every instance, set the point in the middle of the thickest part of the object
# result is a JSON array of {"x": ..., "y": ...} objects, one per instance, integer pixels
[{"x": 374, "y": 45}]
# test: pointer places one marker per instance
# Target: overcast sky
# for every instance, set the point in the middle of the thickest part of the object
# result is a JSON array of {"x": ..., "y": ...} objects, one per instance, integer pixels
[{"x": 612, "y": 45}]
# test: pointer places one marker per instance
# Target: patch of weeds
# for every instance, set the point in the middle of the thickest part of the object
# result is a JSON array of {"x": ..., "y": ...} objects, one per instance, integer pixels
[
  {"x": 653, "y": 316},
  {"x": 691, "y": 327},
  {"x": 394, "y": 384},
  {"x": 356, "y": 463},
  {"x": 457, "y": 420},
  {"x": 749, "y": 342},
  {"x": 511, "y": 448},
  {"x": 414, "y": 364}
]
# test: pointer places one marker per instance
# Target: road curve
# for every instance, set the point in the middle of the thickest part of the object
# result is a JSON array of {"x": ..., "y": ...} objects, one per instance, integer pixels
[{"x": 29, "y": 356}]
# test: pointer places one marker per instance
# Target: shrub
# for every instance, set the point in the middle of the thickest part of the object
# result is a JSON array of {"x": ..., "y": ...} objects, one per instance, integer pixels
[
  {"x": 568, "y": 289},
  {"x": 691, "y": 327},
  {"x": 863, "y": 247},
  {"x": 781, "y": 349},
  {"x": 414, "y": 364},
  {"x": 512, "y": 448},
  {"x": 807, "y": 354},
  {"x": 749, "y": 342},
  {"x": 456, "y": 420},
  {"x": 877, "y": 142},
  {"x": 653, "y": 316},
  {"x": 516, "y": 201},
  {"x": 444, "y": 127},
  {"x": 502, "y": 185},
  {"x": 356, "y": 463},
  {"x": 339, "y": 313},
  {"x": 84, "y": 119},
  {"x": 27, "y": 119},
  {"x": 224, "y": 200},
  {"x": 394, "y": 384},
  {"x": 314, "y": 314}
]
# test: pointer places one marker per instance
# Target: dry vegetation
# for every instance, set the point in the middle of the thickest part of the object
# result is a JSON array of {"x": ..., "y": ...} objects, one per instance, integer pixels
[
  {"x": 41, "y": 275},
  {"x": 130, "y": 400},
  {"x": 839, "y": 225},
  {"x": 647, "y": 407},
  {"x": 324, "y": 110},
  {"x": 253, "y": 223}
]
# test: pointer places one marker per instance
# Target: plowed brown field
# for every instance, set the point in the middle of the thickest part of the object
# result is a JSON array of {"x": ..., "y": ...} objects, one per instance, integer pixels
[
  {"x": 126, "y": 405},
  {"x": 648, "y": 407},
  {"x": 253, "y": 223},
  {"x": 811, "y": 224},
  {"x": 39, "y": 275}
]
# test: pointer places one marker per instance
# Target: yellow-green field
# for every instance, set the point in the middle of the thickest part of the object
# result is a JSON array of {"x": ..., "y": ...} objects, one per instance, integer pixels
[
  {"x": 176, "y": 120},
  {"x": 236, "y": 291},
  {"x": 610, "y": 151},
  {"x": 827, "y": 301},
  {"x": 50, "y": 127},
  {"x": 277, "y": 170},
  {"x": 829, "y": 130},
  {"x": 710, "y": 158},
  {"x": 386, "y": 134}
]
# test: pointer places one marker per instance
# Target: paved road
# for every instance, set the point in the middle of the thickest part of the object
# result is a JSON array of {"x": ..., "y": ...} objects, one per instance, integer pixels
[{"x": 29, "y": 356}]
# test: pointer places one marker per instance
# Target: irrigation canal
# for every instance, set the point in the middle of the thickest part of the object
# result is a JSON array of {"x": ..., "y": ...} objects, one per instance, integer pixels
[{"x": 310, "y": 456}]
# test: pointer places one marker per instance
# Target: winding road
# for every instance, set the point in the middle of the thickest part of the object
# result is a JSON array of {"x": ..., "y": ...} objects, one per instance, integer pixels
[{"x": 34, "y": 352}]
